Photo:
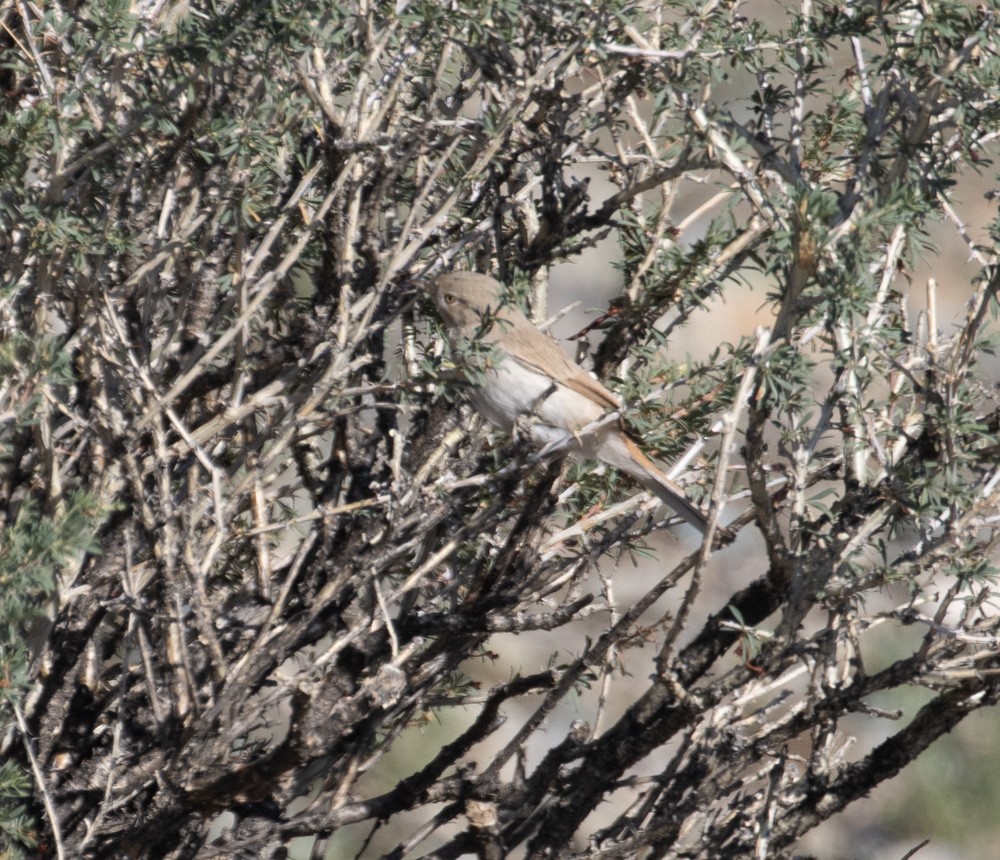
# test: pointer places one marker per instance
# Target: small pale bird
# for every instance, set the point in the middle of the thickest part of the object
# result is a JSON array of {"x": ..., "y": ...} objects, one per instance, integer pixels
[{"x": 527, "y": 379}]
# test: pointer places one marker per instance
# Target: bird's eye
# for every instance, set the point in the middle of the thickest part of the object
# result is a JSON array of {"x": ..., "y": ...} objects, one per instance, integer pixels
[{"x": 449, "y": 299}]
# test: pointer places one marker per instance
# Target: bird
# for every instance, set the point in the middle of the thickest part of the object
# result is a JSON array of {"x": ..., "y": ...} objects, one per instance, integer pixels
[{"x": 525, "y": 380}]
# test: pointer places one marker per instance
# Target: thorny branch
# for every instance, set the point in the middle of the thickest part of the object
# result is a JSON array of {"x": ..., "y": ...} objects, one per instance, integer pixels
[{"x": 306, "y": 552}]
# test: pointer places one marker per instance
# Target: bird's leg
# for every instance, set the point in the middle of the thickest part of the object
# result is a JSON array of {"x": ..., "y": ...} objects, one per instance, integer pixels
[
  {"x": 530, "y": 418},
  {"x": 521, "y": 430}
]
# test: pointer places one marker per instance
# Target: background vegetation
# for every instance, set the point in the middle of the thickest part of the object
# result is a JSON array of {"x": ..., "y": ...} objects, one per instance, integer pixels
[{"x": 263, "y": 576}]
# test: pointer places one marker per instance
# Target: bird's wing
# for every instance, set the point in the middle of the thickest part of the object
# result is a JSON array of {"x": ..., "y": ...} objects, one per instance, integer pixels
[{"x": 536, "y": 351}]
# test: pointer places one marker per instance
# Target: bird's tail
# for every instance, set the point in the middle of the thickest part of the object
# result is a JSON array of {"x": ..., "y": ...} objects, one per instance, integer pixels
[{"x": 617, "y": 450}]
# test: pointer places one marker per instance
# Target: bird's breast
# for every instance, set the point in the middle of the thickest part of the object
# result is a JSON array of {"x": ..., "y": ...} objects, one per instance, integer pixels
[{"x": 510, "y": 390}]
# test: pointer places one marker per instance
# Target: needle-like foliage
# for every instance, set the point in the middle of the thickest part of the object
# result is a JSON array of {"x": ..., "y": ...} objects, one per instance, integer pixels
[{"x": 254, "y": 551}]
